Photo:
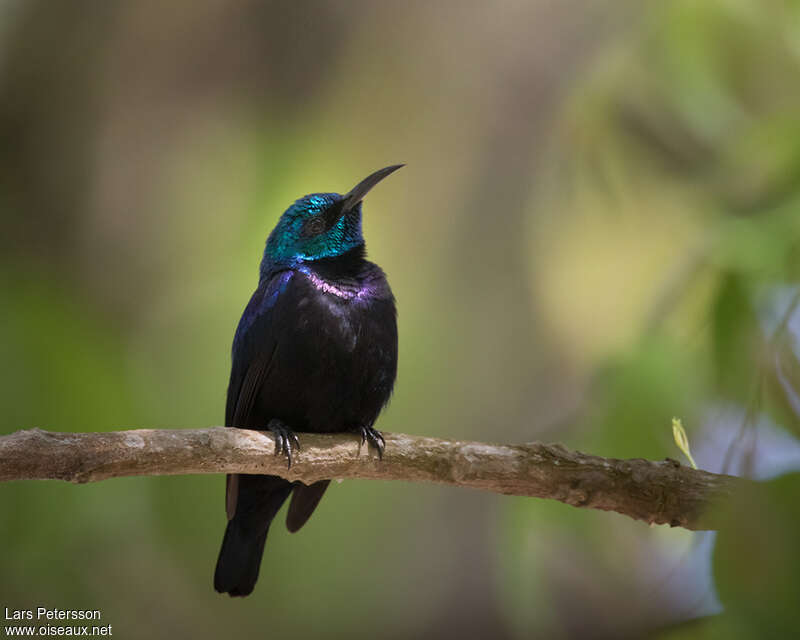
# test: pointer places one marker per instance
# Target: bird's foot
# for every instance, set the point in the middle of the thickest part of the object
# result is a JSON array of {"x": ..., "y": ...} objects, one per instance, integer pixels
[
  {"x": 374, "y": 437},
  {"x": 285, "y": 440}
]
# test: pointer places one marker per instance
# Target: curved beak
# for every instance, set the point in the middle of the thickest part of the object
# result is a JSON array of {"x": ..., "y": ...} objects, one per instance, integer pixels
[{"x": 358, "y": 192}]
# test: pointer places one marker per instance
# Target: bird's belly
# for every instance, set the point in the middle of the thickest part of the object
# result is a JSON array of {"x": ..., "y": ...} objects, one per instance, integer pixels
[{"x": 339, "y": 367}]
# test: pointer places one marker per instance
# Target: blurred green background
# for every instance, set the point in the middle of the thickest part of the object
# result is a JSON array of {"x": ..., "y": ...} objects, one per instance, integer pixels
[{"x": 598, "y": 229}]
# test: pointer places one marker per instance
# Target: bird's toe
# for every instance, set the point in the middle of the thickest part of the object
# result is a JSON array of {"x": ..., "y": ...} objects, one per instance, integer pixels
[
  {"x": 285, "y": 440},
  {"x": 374, "y": 437}
]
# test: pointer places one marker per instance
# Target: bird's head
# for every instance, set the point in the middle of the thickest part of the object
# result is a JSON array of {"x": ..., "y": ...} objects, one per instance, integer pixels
[{"x": 320, "y": 225}]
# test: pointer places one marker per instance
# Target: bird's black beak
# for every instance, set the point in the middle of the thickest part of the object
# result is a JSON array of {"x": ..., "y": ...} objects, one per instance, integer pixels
[{"x": 358, "y": 192}]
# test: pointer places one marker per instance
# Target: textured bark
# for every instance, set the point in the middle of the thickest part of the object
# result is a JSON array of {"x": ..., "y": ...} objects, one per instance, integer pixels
[{"x": 655, "y": 492}]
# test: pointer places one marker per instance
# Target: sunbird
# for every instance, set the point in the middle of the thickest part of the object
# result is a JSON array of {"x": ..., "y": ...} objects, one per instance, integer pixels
[{"x": 315, "y": 351}]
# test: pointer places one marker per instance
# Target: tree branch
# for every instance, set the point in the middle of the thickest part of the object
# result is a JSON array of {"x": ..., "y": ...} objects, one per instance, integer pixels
[{"x": 656, "y": 492}]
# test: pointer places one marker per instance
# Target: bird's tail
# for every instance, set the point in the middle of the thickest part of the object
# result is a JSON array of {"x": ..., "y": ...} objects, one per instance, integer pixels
[{"x": 257, "y": 502}]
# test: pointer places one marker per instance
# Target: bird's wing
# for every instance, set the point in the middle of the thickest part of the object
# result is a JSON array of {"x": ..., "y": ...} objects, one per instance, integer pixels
[
  {"x": 254, "y": 349},
  {"x": 242, "y": 416},
  {"x": 254, "y": 378}
]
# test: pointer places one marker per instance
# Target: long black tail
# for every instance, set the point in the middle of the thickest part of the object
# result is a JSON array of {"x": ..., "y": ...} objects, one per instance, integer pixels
[{"x": 259, "y": 498}]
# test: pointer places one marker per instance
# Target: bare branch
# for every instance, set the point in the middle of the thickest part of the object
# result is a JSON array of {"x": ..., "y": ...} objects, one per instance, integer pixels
[{"x": 656, "y": 492}]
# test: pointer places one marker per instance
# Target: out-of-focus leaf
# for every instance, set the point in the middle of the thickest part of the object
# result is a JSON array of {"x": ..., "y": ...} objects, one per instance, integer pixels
[
  {"x": 780, "y": 318},
  {"x": 782, "y": 386},
  {"x": 765, "y": 247},
  {"x": 735, "y": 338},
  {"x": 757, "y": 558},
  {"x": 760, "y": 168}
]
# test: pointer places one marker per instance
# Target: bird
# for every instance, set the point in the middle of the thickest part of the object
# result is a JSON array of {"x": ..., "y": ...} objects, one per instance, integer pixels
[{"x": 314, "y": 351}]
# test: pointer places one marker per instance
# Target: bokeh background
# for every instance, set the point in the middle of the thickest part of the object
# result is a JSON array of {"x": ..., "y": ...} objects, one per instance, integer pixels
[{"x": 598, "y": 229}]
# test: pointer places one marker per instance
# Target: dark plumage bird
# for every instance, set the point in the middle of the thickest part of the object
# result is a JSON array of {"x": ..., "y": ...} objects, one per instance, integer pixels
[{"x": 315, "y": 351}]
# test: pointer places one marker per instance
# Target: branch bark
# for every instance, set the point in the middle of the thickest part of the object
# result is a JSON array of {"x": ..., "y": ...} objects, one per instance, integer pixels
[{"x": 655, "y": 492}]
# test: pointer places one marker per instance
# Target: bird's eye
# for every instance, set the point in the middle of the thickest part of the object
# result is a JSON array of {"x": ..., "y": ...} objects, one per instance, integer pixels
[{"x": 314, "y": 227}]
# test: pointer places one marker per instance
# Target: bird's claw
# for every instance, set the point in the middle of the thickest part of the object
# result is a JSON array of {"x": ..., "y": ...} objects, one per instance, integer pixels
[
  {"x": 285, "y": 440},
  {"x": 375, "y": 439}
]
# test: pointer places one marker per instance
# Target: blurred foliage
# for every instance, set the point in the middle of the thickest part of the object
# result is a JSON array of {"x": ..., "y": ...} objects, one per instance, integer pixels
[
  {"x": 597, "y": 230},
  {"x": 757, "y": 562}
]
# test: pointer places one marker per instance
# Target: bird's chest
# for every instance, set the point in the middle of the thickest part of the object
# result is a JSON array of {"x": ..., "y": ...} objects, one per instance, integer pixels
[
  {"x": 325, "y": 320},
  {"x": 345, "y": 330}
]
